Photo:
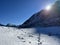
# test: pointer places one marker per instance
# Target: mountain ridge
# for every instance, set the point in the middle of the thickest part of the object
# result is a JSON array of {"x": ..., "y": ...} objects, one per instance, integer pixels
[{"x": 45, "y": 18}]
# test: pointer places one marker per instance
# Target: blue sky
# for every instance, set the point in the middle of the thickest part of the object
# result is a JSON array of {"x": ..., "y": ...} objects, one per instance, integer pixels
[{"x": 18, "y": 11}]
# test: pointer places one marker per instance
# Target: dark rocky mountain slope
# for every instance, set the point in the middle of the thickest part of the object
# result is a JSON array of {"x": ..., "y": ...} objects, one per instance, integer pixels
[{"x": 45, "y": 18}]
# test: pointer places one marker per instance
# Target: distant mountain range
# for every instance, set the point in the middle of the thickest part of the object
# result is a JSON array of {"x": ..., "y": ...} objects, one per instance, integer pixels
[{"x": 45, "y": 18}]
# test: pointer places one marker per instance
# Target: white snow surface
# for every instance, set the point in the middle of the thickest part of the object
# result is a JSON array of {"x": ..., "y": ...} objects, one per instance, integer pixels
[{"x": 27, "y": 36}]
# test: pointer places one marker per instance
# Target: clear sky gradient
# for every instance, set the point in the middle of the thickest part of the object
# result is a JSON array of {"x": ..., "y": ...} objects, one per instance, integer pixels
[{"x": 18, "y": 11}]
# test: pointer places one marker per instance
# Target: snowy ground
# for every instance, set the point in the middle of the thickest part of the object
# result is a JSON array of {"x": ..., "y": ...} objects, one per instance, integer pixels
[{"x": 27, "y": 36}]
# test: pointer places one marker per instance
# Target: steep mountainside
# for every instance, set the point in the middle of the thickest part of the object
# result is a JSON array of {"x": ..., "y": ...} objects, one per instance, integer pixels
[{"x": 44, "y": 17}]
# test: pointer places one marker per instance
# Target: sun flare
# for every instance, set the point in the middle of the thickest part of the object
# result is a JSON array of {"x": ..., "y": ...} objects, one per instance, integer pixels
[{"x": 48, "y": 7}]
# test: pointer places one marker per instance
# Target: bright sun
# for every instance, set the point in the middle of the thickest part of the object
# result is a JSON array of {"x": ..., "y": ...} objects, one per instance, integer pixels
[{"x": 48, "y": 7}]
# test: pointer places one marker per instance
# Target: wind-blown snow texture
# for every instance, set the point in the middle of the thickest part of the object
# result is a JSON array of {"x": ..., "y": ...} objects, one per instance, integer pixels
[{"x": 29, "y": 36}]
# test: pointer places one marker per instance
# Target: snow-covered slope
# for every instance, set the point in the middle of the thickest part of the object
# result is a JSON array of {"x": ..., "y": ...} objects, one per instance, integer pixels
[{"x": 29, "y": 36}]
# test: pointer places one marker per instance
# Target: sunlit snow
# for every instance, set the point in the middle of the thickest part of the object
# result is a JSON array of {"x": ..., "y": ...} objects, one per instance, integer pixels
[{"x": 27, "y": 36}]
